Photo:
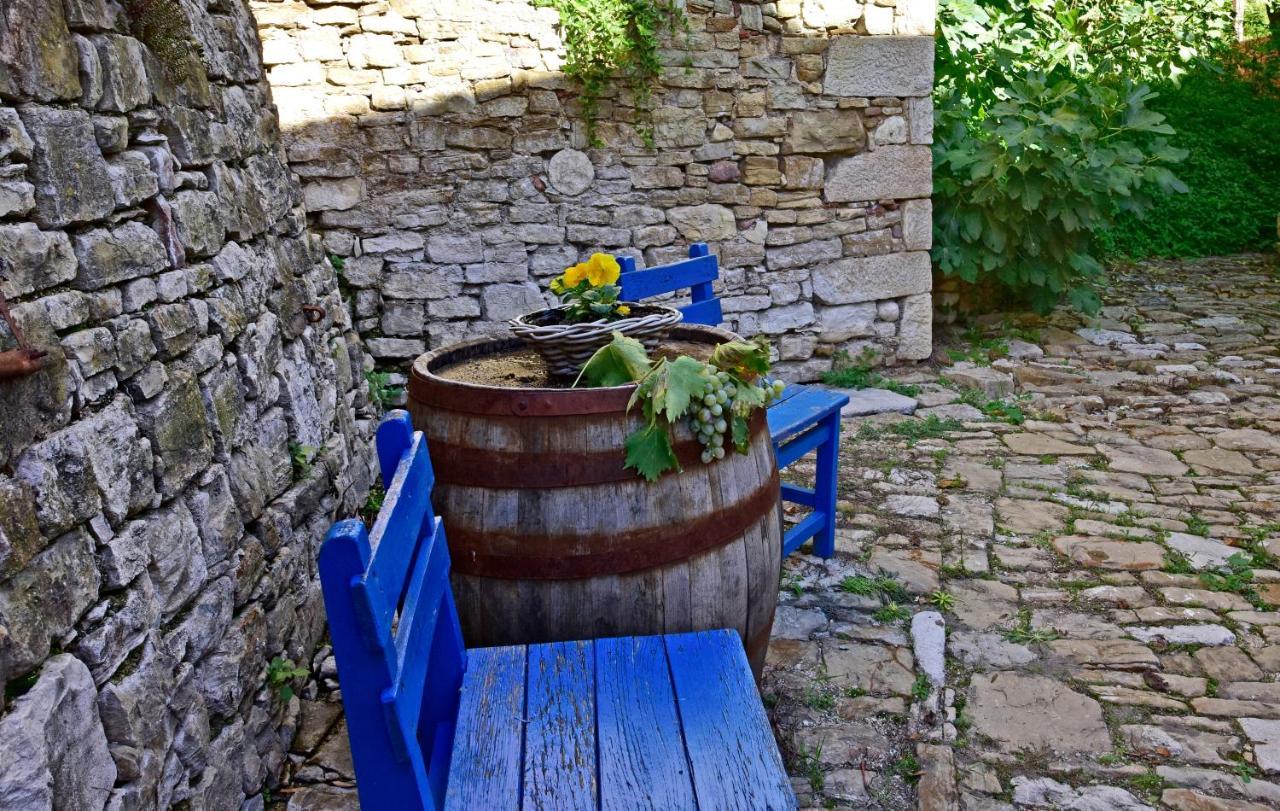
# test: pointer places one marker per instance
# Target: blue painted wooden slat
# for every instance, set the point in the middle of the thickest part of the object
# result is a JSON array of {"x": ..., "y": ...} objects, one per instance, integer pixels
[
  {"x": 560, "y": 737},
  {"x": 406, "y": 509},
  {"x": 655, "y": 281},
  {"x": 803, "y": 410},
  {"x": 488, "y": 746},
  {"x": 395, "y": 434},
  {"x": 424, "y": 599},
  {"x": 735, "y": 760},
  {"x": 642, "y": 757},
  {"x": 799, "y": 495},
  {"x": 800, "y": 444},
  {"x": 706, "y": 312},
  {"x": 387, "y": 779},
  {"x": 802, "y": 531},
  {"x": 826, "y": 476}
]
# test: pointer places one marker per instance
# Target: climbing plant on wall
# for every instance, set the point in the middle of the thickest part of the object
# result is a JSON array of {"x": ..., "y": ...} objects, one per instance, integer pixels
[
  {"x": 163, "y": 27},
  {"x": 608, "y": 40}
]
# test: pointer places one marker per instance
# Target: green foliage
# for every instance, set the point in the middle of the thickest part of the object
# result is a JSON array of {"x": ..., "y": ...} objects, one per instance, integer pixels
[
  {"x": 944, "y": 601},
  {"x": 931, "y": 427},
  {"x": 892, "y": 613},
  {"x": 381, "y": 393},
  {"x": 1043, "y": 133},
  {"x": 163, "y": 27},
  {"x": 1023, "y": 633},
  {"x": 608, "y": 39},
  {"x": 1177, "y": 563},
  {"x": 1229, "y": 129},
  {"x": 672, "y": 390},
  {"x": 883, "y": 584},
  {"x": 1236, "y": 577},
  {"x": 848, "y": 374},
  {"x": 281, "y": 672},
  {"x": 906, "y": 767},
  {"x": 301, "y": 457},
  {"x": 1002, "y": 410},
  {"x": 920, "y": 688},
  {"x": 372, "y": 504}
]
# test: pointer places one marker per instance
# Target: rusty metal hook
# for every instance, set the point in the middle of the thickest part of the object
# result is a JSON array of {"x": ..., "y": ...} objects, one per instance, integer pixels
[
  {"x": 24, "y": 360},
  {"x": 314, "y": 314}
]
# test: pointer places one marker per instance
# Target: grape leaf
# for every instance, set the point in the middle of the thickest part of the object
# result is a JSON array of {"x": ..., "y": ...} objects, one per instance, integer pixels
[
  {"x": 649, "y": 451},
  {"x": 742, "y": 358},
  {"x": 741, "y": 433},
  {"x": 749, "y": 398},
  {"x": 684, "y": 383},
  {"x": 621, "y": 361}
]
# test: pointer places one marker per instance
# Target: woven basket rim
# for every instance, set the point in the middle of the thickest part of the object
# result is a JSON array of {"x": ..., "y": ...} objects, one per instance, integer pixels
[{"x": 646, "y": 310}]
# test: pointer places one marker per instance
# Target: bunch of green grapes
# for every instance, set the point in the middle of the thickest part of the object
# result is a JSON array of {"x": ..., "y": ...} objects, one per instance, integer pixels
[{"x": 710, "y": 419}]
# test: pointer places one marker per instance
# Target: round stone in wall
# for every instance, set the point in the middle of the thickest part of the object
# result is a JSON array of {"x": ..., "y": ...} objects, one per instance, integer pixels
[
  {"x": 887, "y": 310},
  {"x": 571, "y": 171}
]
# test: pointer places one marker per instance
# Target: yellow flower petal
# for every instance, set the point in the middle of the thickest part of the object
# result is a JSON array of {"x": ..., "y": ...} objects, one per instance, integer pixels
[
  {"x": 624, "y": 309},
  {"x": 602, "y": 269},
  {"x": 574, "y": 275}
]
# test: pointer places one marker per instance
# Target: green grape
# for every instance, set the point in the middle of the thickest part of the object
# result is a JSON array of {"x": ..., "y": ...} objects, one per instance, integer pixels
[
  {"x": 718, "y": 452},
  {"x": 709, "y": 400},
  {"x": 707, "y": 456},
  {"x": 716, "y": 410},
  {"x": 721, "y": 426}
]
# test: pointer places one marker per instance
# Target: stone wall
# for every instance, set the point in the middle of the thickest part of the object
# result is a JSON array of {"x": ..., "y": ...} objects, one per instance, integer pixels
[
  {"x": 157, "y": 545},
  {"x": 444, "y": 159}
]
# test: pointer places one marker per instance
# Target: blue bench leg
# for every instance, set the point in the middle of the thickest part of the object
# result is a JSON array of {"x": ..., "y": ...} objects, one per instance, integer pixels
[{"x": 824, "y": 543}]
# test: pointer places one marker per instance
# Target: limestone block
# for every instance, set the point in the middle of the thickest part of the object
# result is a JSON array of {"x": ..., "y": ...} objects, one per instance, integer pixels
[
  {"x": 804, "y": 254},
  {"x": 871, "y": 278},
  {"x": 777, "y": 320},
  {"x": 879, "y": 66},
  {"x": 890, "y": 172},
  {"x": 570, "y": 172},
  {"x": 916, "y": 18},
  {"x": 71, "y": 178},
  {"x": 42, "y": 602},
  {"x": 892, "y": 130},
  {"x": 40, "y": 59},
  {"x": 175, "y": 424},
  {"x": 915, "y": 330},
  {"x": 845, "y": 322},
  {"x": 454, "y": 248},
  {"x": 132, "y": 178},
  {"x": 802, "y": 172},
  {"x": 111, "y": 256},
  {"x": 125, "y": 85},
  {"x": 52, "y": 743},
  {"x": 188, "y": 131},
  {"x": 503, "y": 302},
  {"x": 34, "y": 259},
  {"x": 917, "y": 224},
  {"x": 20, "y": 537},
  {"x": 840, "y": 14},
  {"x": 199, "y": 228},
  {"x": 373, "y": 51},
  {"x": 703, "y": 223},
  {"x": 333, "y": 195},
  {"x": 824, "y": 131},
  {"x": 878, "y": 19}
]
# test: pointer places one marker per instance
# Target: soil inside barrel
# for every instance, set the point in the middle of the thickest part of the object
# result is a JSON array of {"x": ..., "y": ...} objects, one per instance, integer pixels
[{"x": 524, "y": 368}]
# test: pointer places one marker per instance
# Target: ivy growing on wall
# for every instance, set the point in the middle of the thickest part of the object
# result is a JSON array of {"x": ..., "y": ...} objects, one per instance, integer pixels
[
  {"x": 163, "y": 27},
  {"x": 608, "y": 40}
]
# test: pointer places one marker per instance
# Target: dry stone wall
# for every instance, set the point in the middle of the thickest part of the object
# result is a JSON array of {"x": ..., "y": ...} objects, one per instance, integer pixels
[
  {"x": 157, "y": 543},
  {"x": 444, "y": 159}
]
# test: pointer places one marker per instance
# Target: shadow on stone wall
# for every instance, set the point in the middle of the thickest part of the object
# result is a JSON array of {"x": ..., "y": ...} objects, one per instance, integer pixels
[{"x": 443, "y": 157}]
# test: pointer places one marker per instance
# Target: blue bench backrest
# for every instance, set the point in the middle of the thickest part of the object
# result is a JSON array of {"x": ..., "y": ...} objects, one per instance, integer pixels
[
  {"x": 395, "y": 632},
  {"x": 696, "y": 273}
]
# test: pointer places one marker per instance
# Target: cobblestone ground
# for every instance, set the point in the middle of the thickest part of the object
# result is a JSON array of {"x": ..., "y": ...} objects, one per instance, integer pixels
[
  {"x": 1087, "y": 513},
  {"x": 1056, "y": 581}
]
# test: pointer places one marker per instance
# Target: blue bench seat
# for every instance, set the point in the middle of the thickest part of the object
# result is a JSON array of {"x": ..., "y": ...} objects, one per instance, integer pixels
[
  {"x": 650, "y": 722},
  {"x": 805, "y": 419},
  {"x": 664, "y": 722}
]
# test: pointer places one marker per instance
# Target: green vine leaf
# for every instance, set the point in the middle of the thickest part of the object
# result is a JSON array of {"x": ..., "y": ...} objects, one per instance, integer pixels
[
  {"x": 746, "y": 359},
  {"x": 621, "y": 361},
  {"x": 741, "y": 433},
  {"x": 682, "y": 382},
  {"x": 649, "y": 451}
]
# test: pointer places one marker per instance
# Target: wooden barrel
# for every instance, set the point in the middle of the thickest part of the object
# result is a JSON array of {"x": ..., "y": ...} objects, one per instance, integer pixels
[{"x": 553, "y": 539}]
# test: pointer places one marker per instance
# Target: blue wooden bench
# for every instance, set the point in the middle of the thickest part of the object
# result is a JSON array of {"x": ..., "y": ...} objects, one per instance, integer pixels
[
  {"x": 663, "y": 722},
  {"x": 804, "y": 419}
]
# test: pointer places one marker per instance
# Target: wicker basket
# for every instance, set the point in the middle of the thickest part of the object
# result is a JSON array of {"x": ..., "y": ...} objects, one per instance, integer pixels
[{"x": 567, "y": 347}]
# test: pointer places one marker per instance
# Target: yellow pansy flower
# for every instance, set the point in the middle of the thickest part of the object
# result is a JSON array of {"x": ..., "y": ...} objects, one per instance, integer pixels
[
  {"x": 575, "y": 274},
  {"x": 623, "y": 309},
  {"x": 602, "y": 269}
]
